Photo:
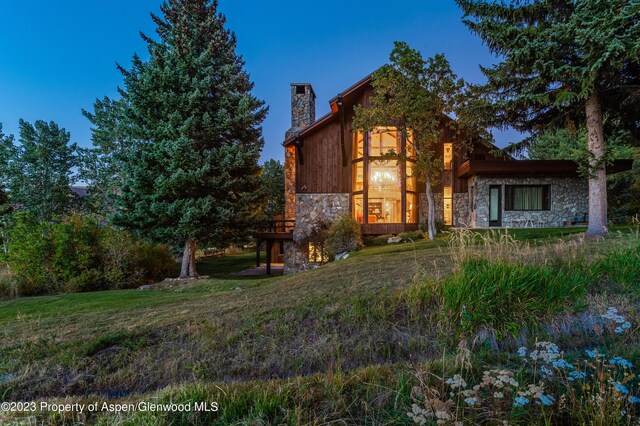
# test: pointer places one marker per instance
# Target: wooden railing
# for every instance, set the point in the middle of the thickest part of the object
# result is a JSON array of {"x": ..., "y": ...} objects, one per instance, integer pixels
[{"x": 276, "y": 226}]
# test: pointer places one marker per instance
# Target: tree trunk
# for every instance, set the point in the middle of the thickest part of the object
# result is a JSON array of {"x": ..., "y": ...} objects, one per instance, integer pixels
[
  {"x": 188, "y": 269},
  {"x": 431, "y": 216},
  {"x": 598, "y": 224}
]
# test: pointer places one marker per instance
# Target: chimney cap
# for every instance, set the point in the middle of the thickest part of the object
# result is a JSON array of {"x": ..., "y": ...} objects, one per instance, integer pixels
[{"x": 305, "y": 85}]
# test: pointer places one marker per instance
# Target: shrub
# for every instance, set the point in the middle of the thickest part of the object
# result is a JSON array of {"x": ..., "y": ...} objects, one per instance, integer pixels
[
  {"x": 344, "y": 235},
  {"x": 377, "y": 240},
  {"x": 79, "y": 254},
  {"x": 411, "y": 236}
]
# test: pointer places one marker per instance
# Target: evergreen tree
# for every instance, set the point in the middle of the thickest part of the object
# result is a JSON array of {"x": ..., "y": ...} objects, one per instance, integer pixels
[
  {"x": 564, "y": 63},
  {"x": 191, "y": 172},
  {"x": 39, "y": 171},
  {"x": 272, "y": 189},
  {"x": 414, "y": 95}
]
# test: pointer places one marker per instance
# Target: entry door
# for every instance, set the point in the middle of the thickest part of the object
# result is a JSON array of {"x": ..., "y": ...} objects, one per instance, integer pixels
[{"x": 495, "y": 205}]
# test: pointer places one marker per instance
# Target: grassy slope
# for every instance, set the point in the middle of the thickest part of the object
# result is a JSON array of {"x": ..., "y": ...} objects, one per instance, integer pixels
[{"x": 120, "y": 343}]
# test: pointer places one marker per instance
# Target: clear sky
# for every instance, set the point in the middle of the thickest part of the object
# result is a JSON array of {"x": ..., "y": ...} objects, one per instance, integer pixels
[{"x": 57, "y": 57}]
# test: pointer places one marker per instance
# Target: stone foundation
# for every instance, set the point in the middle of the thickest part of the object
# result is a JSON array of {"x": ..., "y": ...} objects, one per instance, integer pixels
[
  {"x": 569, "y": 198},
  {"x": 311, "y": 210},
  {"x": 461, "y": 210}
]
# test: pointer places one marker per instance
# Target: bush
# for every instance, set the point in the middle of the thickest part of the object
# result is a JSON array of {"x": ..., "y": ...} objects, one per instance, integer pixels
[
  {"x": 411, "y": 236},
  {"x": 344, "y": 235},
  {"x": 377, "y": 240},
  {"x": 78, "y": 254}
]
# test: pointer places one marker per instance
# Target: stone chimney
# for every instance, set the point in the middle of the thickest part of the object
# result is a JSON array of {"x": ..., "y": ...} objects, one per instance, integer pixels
[{"x": 303, "y": 108}]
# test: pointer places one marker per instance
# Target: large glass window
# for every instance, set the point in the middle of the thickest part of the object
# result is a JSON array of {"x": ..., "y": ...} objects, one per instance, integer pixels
[
  {"x": 385, "y": 192},
  {"x": 527, "y": 197},
  {"x": 382, "y": 140},
  {"x": 358, "y": 207},
  {"x": 379, "y": 187},
  {"x": 358, "y": 176},
  {"x": 358, "y": 145}
]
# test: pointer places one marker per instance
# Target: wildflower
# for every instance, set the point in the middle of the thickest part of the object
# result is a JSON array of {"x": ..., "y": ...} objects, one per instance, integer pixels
[
  {"x": 562, "y": 364},
  {"x": 622, "y": 328},
  {"x": 621, "y": 362},
  {"x": 613, "y": 315},
  {"x": 498, "y": 395},
  {"x": 547, "y": 400},
  {"x": 546, "y": 373},
  {"x": 545, "y": 351},
  {"x": 593, "y": 353},
  {"x": 457, "y": 382},
  {"x": 471, "y": 401},
  {"x": 522, "y": 352},
  {"x": 634, "y": 400},
  {"x": 520, "y": 401},
  {"x": 576, "y": 375},
  {"x": 620, "y": 387}
]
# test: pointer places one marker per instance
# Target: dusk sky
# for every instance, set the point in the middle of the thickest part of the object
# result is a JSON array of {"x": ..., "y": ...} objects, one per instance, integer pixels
[{"x": 58, "y": 57}]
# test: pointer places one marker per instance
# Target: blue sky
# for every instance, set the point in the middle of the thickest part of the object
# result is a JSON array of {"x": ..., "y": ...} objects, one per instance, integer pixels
[{"x": 58, "y": 57}]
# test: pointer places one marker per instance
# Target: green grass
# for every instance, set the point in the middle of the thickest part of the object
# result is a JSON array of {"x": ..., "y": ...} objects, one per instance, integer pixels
[{"x": 379, "y": 307}]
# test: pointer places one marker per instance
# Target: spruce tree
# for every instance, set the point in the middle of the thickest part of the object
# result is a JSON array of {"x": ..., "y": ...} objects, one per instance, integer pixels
[
  {"x": 564, "y": 63},
  {"x": 191, "y": 172}
]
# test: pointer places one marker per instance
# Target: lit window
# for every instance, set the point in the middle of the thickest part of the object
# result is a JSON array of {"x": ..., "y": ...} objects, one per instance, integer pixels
[
  {"x": 358, "y": 208},
  {"x": 411, "y": 177},
  {"x": 358, "y": 176},
  {"x": 382, "y": 140},
  {"x": 412, "y": 208},
  {"x": 358, "y": 145},
  {"x": 317, "y": 254},
  {"x": 448, "y": 156}
]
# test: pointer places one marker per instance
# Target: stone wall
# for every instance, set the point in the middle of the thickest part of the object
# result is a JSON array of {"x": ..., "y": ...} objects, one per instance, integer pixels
[
  {"x": 424, "y": 208},
  {"x": 290, "y": 183},
  {"x": 569, "y": 198},
  {"x": 461, "y": 210},
  {"x": 311, "y": 210}
]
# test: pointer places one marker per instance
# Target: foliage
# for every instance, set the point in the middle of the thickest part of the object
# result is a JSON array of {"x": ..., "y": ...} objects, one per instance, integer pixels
[
  {"x": 38, "y": 172},
  {"x": 271, "y": 189},
  {"x": 414, "y": 95},
  {"x": 78, "y": 254},
  {"x": 100, "y": 165},
  {"x": 565, "y": 64},
  {"x": 545, "y": 388},
  {"x": 344, "y": 235},
  {"x": 190, "y": 172}
]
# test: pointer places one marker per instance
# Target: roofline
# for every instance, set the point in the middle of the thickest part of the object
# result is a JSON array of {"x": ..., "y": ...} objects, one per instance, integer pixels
[
  {"x": 322, "y": 120},
  {"x": 352, "y": 88},
  {"x": 532, "y": 167}
]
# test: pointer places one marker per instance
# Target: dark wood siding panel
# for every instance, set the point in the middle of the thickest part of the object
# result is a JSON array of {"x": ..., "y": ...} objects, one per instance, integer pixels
[{"x": 321, "y": 171}]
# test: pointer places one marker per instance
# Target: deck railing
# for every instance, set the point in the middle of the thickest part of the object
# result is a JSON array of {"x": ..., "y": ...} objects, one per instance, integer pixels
[{"x": 276, "y": 226}]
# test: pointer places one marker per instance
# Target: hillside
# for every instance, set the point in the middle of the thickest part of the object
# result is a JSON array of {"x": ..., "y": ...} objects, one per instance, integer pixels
[{"x": 293, "y": 349}]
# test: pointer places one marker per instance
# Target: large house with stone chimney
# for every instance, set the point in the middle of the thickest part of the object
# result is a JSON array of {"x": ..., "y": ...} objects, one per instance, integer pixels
[{"x": 332, "y": 170}]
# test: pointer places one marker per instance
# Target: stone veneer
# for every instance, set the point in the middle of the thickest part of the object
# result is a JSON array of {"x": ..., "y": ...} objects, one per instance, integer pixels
[
  {"x": 424, "y": 208},
  {"x": 290, "y": 183},
  {"x": 311, "y": 210},
  {"x": 569, "y": 198},
  {"x": 461, "y": 210}
]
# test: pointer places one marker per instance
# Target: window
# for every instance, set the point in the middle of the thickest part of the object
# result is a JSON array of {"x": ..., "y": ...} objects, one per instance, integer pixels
[
  {"x": 527, "y": 197},
  {"x": 448, "y": 155},
  {"x": 358, "y": 176},
  {"x": 317, "y": 253},
  {"x": 412, "y": 208},
  {"x": 385, "y": 192},
  {"x": 382, "y": 140},
  {"x": 358, "y": 145},
  {"x": 411, "y": 177},
  {"x": 447, "y": 183},
  {"x": 358, "y": 208}
]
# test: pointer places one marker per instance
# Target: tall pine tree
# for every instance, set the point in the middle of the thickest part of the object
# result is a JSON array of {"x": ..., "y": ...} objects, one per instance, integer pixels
[
  {"x": 191, "y": 173},
  {"x": 565, "y": 63}
]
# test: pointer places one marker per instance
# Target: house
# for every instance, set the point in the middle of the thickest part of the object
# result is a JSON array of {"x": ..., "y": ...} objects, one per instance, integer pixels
[{"x": 332, "y": 170}]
